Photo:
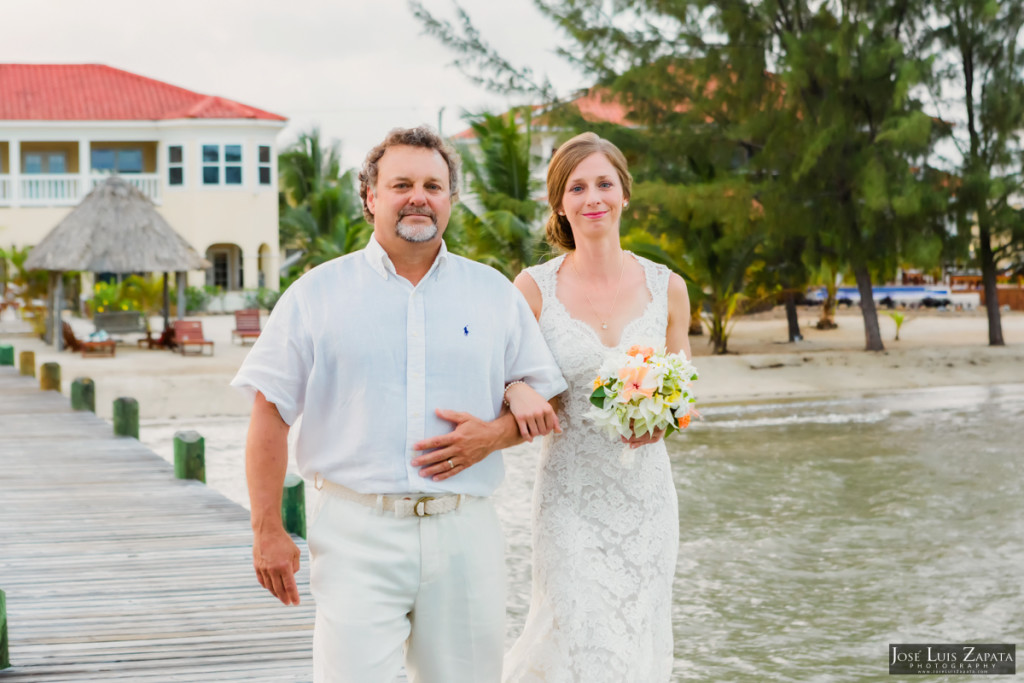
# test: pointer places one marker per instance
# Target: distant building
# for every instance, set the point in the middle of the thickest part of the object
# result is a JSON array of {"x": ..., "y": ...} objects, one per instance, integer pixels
[{"x": 207, "y": 162}]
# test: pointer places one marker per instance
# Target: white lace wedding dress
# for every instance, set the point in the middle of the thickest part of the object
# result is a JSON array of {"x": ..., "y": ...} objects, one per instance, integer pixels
[{"x": 605, "y": 530}]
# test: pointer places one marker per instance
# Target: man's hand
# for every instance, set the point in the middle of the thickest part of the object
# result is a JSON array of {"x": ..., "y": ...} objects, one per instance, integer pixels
[
  {"x": 276, "y": 559},
  {"x": 471, "y": 441},
  {"x": 534, "y": 415}
]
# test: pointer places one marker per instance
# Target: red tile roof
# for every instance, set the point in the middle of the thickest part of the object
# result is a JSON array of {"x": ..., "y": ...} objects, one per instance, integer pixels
[
  {"x": 594, "y": 105},
  {"x": 94, "y": 92}
]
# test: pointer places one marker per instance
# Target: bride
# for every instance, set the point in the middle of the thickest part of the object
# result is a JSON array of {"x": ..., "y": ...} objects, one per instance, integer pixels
[{"x": 605, "y": 531}]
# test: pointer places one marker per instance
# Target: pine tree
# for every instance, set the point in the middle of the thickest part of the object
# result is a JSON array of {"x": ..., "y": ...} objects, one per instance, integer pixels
[{"x": 980, "y": 59}]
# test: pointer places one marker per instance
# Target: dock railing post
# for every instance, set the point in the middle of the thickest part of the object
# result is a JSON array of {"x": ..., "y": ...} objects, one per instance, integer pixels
[
  {"x": 5, "y": 654},
  {"x": 83, "y": 394},
  {"x": 189, "y": 456},
  {"x": 27, "y": 363},
  {"x": 49, "y": 376},
  {"x": 6, "y": 354},
  {"x": 126, "y": 417},
  {"x": 293, "y": 505}
]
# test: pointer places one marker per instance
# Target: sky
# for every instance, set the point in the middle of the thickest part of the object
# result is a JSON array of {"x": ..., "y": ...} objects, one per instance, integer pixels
[{"x": 356, "y": 68}]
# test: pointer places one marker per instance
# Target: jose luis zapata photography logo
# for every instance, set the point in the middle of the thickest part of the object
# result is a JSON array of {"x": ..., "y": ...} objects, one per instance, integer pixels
[{"x": 974, "y": 658}]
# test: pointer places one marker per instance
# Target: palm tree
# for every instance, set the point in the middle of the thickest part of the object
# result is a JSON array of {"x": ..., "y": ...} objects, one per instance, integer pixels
[
  {"x": 501, "y": 227},
  {"x": 321, "y": 212}
]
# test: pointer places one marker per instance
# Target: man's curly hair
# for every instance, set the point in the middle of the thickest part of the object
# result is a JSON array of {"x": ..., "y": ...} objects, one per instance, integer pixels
[{"x": 421, "y": 136}]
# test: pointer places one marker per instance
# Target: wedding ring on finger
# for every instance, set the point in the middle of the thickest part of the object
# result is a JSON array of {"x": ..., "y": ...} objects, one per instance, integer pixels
[{"x": 451, "y": 465}]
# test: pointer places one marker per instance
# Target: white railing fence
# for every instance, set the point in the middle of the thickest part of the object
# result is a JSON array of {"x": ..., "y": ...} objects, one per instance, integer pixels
[{"x": 66, "y": 189}]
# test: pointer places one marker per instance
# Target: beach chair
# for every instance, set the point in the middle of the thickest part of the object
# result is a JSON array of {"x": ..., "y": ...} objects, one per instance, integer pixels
[
  {"x": 189, "y": 333},
  {"x": 247, "y": 325},
  {"x": 87, "y": 348}
]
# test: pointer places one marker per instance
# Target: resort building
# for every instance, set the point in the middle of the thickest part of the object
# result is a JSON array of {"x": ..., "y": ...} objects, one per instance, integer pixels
[{"x": 207, "y": 163}]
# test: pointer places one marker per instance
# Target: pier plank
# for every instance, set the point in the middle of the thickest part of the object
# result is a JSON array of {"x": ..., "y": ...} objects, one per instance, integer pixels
[{"x": 114, "y": 570}]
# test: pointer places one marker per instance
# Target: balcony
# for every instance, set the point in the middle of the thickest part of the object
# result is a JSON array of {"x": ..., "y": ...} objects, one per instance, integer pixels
[{"x": 66, "y": 189}]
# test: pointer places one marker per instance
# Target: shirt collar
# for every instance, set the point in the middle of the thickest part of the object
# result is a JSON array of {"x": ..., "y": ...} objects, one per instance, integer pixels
[{"x": 381, "y": 262}]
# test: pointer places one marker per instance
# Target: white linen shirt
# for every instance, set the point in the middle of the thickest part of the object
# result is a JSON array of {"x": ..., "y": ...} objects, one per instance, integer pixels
[{"x": 365, "y": 357}]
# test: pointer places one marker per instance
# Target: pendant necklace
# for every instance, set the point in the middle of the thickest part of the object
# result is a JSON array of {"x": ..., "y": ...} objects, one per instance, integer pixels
[{"x": 622, "y": 267}]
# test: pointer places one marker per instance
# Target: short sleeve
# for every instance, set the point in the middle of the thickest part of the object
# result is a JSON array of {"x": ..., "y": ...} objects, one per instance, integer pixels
[
  {"x": 279, "y": 363},
  {"x": 527, "y": 356}
]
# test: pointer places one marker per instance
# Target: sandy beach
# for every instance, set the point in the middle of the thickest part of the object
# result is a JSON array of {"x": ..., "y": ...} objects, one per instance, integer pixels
[{"x": 935, "y": 349}]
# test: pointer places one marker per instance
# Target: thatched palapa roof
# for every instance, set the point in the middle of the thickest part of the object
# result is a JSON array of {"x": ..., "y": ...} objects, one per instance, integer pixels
[{"x": 116, "y": 229}]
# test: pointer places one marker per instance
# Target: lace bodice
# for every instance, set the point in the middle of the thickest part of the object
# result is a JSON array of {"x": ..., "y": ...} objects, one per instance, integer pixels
[{"x": 605, "y": 531}]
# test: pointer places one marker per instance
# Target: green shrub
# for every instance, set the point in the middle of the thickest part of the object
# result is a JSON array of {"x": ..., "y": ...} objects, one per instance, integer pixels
[{"x": 262, "y": 298}]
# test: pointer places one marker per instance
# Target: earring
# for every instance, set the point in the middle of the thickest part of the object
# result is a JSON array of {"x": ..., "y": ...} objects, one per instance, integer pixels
[
  {"x": 561, "y": 213},
  {"x": 625, "y": 204}
]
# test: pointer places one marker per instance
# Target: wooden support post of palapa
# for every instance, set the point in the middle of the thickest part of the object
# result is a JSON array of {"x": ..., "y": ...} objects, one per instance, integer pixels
[
  {"x": 189, "y": 456},
  {"x": 126, "y": 417},
  {"x": 293, "y": 505}
]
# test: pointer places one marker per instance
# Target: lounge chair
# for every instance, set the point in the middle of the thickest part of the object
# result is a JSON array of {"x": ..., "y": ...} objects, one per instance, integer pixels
[
  {"x": 88, "y": 348},
  {"x": 247, "y": 325},
  {"x": 190, "y": 333}
]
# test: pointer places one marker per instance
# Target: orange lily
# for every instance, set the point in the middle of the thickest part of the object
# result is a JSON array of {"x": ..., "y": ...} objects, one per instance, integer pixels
[{"x": 633, "y": 380}]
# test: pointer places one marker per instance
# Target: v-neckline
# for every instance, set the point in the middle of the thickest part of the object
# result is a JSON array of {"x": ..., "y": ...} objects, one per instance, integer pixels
[{"x": 583, "y": 323}]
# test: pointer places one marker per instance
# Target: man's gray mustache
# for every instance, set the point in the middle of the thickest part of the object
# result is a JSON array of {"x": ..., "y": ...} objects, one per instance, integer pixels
[{"x": 417, "y": 212}]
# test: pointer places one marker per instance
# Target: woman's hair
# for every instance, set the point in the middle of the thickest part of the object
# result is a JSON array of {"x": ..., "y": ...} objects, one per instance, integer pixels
[
  {"x": 421, "y": 136},
  {"x": 563, "y": 163}
]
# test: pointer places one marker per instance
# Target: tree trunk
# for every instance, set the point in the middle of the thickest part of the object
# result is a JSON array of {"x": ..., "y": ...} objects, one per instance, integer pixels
[
  {"x": 696, "y": 326},
  {"x": 872, "y": 334},
  {"x": 828, "y": 308},
  {"x": 792, "y": 319},
  {"x": 988, "y": 279}
]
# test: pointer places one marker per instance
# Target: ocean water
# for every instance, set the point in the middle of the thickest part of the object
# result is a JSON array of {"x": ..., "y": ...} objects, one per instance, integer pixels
[{"x": 813, "y": 533}]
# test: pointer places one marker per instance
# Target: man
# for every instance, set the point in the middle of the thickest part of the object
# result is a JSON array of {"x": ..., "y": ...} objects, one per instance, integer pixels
[{"x": 397, "y": 358}]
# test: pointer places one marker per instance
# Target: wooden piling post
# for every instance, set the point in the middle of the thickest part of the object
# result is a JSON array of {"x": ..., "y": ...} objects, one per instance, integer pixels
[
  {"x": 49, "y": 376},
  {"x": 27, "y": 363},
  {"x": 126, "y": 417},
  {"x": 5, "y": 654},
  {"x": 83, "y": 394},
  {"x": 6, "y": 354},
  {"x": 293, "y": 505},
  {"x": 189, "y": 456}
]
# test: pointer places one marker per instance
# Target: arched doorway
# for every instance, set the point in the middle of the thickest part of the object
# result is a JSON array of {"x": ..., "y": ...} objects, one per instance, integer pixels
[{"x": 226, "y": 270}]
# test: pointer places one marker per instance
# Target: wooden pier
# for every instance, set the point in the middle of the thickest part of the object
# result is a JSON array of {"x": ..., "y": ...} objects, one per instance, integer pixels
[{"x": 116, "y": 571}]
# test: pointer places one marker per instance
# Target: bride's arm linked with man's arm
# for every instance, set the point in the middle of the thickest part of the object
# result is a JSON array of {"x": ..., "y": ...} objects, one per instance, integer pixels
[{"x": 526, "y": 415}]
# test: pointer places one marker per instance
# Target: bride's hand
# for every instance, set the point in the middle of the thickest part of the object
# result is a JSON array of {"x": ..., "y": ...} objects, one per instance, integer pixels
[
  {"x": 534, "y": 415},
  {"x": 645, "y": 439}
]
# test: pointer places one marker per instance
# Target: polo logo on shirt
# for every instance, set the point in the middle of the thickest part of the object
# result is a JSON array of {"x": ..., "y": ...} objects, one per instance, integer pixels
[{"x": 465, "y": 331}]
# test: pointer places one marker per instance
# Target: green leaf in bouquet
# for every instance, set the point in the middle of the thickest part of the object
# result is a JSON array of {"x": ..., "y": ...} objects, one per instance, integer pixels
[{"x": 597, "y": 398}]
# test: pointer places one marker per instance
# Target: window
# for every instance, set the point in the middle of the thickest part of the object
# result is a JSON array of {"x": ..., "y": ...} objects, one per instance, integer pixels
[
  {"x": 264, "y": 165},
  {"x": 211, "y": 165},
  {"x": 226, "y": 163},
  {"x": 56, "y": 163},
  {"x": 233, "y": 164},
  {"x": 175, "y": 166},
  {"x": 48, "y": 162},
  {"x": 128, "y": 160}
]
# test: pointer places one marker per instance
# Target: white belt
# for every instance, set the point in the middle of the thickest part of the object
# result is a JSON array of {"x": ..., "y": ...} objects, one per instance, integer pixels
[{"x": 418, "y": 505}]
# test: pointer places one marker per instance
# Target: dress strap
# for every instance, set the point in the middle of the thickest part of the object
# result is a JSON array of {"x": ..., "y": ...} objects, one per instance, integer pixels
[
  {"x": 657, "y": 277},
  {"x": 545, "y": 275}
]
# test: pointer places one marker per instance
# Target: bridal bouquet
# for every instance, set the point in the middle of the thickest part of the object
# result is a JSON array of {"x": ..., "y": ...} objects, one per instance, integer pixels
[{"x": 641, "y": 391}]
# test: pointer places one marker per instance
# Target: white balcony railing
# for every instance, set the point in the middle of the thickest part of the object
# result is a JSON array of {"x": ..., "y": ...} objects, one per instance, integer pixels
[
  {"x": 65, "y": 189},
  {"x": 49, "y": 189},
  {"x": 147, "y": 183}
]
